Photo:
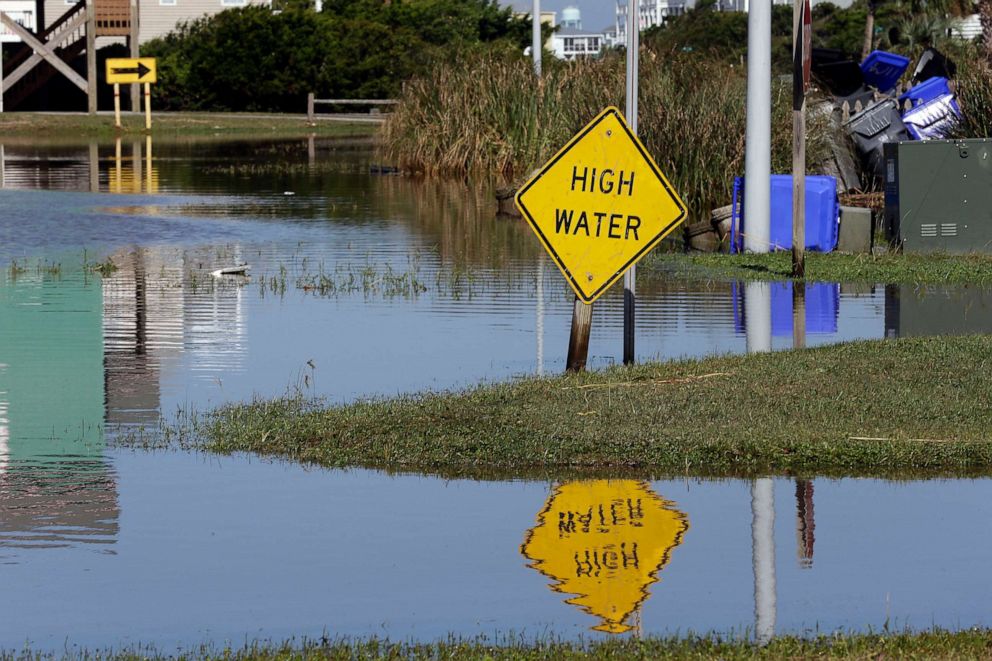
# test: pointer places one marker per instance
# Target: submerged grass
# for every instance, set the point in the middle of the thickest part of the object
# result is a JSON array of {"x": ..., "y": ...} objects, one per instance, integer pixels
[
  {"x": 937, "y": 644},
  {"x": 889, "y": 268},
  {"x": 864, "y": 408}
]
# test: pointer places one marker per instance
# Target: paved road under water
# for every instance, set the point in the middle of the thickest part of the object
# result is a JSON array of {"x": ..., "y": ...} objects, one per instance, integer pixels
[{"x": 365, "y": 284}]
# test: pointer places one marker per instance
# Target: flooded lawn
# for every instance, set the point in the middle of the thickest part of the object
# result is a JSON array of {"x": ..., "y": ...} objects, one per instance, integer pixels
[{"x": 363, "y": 284}]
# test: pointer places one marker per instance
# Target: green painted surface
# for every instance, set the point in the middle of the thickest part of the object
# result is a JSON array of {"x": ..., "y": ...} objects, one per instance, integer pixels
[{"x": 51, "y": 364}]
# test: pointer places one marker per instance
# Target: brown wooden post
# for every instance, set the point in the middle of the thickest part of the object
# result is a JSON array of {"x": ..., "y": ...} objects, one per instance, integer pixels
[
  {"x": 578, "y": 340},
  {"x": 148, "y": 106},
  {"x": 800, "y": 38},
  {"x": 91, "y": 56},
  {"x": 310, "y": 116},
  {"x": 117, "y": 105},
  {"x": 134, "y": 45}
]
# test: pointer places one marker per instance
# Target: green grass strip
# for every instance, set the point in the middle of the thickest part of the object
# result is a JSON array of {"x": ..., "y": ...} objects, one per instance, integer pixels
[
  {"x": 885, "y": 408},
  {"x": 937, "y": 644},
  {"x": 890, "y": 268},
  {"x": 177, "y": 124}
]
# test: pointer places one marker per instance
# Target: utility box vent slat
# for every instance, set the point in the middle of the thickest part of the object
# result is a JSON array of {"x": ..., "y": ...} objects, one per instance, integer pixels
[
  {"x": 928, "y": 230},
  {"x": 949, "y": 229}
]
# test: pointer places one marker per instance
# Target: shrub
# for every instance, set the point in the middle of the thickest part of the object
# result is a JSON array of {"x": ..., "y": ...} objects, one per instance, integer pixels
[{"x": 489, "y": 114}]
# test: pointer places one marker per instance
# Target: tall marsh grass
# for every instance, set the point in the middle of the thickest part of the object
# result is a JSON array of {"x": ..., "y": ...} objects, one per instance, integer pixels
[{"x": 489, "y": 114}]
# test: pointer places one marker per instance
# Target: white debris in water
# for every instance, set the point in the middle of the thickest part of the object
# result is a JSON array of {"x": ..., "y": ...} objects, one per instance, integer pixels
[{"x": 241, "y": 269}]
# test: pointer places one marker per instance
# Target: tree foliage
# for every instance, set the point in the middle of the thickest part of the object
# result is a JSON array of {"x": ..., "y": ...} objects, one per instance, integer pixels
[{"x": 253, "y": 58}]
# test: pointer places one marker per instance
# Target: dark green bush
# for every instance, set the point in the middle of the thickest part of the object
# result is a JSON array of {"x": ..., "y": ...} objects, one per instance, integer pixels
[{"x": 255, "y": 59}]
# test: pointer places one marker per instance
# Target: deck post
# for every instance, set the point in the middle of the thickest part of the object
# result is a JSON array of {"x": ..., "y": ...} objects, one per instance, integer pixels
[{"x": 91, "y": 56}]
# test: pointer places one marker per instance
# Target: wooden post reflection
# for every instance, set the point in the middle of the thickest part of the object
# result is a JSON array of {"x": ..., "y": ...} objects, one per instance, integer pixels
[
  {"x": 94, "y": 167},
  {"x": 805, "y": 524},
  {"x": 799, "y": 314}
]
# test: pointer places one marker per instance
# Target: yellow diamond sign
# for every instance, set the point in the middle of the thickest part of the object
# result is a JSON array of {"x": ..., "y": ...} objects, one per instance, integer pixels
[
  {"x": 604, "y": 541},
  {"x": 600, "y": 205}
]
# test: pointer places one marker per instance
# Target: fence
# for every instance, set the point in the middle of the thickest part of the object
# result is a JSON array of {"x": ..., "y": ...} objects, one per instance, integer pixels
[{"x": 373, "y": 103}]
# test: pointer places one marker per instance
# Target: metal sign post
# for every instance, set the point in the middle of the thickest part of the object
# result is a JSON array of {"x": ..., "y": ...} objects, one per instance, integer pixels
[
  {"x": 536, "y": 46},
  {"x": 630, "y": 277}
]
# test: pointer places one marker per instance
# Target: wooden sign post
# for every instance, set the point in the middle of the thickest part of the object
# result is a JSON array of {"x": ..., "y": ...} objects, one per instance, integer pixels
[
  {"x": 117, "y": 105},
  {"x": 802, "y": 34}
]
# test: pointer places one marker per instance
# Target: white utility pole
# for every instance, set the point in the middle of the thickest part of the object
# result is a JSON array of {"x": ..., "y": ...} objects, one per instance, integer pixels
[
  {"x": 757, "y": 155},
  {"x": 536, "y": 45}
]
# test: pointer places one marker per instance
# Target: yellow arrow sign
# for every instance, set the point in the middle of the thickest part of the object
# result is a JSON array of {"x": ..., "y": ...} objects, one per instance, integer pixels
[
  {"x": 600, "y": 205},
  {"x": 132, "y": 70},
  {"x": 605, "y": 542}
]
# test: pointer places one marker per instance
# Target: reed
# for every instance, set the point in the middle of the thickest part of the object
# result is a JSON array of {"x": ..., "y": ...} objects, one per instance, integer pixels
[{"x": 489, "y": 114}]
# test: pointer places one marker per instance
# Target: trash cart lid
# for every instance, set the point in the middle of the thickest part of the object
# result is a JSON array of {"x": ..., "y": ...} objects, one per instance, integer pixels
[{"x": 883, "y": 69}]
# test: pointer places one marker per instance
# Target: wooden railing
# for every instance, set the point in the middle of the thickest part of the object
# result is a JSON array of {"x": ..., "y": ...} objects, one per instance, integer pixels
[{"x": 371, "y": 103}]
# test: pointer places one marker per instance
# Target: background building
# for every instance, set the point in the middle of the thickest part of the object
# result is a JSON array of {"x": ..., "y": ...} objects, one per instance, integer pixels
[
  {"x": 569, "y": 43},
  {"x": 650, "y": 14}
]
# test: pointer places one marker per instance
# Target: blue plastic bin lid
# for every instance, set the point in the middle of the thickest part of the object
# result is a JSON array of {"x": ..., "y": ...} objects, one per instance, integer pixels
[
  {"x": 883, "y": 69},
  {"x": 928, "y": 90}
]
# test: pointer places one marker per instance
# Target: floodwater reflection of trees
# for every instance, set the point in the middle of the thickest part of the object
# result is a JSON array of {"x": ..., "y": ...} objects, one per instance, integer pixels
[{"x": 605, "y": 541}]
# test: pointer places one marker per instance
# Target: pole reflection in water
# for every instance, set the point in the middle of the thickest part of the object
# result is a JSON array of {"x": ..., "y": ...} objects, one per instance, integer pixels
[
  {"x": 763, "y": 557},
  {"x": 758, "y": 320},
  {"x": 605, "y": 541}
]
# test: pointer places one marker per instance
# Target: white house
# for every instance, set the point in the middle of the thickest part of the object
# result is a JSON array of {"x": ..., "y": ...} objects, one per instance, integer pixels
[{"x": 569, "y": 43}]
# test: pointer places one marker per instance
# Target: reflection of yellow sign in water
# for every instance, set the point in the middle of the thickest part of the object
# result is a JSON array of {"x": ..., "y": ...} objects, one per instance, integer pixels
[
  {"x": 604, "y": 541},
  {"x": 128, "y": 176},
  {"x": 600, "y": 205}
]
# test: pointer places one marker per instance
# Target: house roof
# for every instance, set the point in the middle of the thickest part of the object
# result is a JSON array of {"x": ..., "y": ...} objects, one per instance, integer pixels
[{"x": 572, "y": 32}]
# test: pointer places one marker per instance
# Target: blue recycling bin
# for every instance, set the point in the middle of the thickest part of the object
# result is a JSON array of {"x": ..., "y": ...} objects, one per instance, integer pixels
[
  {"x": 932, "y": 120},
  {"x": 822, "y": 214},
  {"x": 883, "y": 70},
  {"x": 928, "y": 90}
]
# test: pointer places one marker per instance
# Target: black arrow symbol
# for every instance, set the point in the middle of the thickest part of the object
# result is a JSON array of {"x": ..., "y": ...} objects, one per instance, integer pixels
[{"x": 141, "y": 70}]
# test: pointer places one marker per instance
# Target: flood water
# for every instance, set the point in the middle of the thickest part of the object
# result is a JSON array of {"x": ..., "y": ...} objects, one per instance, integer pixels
[{"x": 366, "y": 284}]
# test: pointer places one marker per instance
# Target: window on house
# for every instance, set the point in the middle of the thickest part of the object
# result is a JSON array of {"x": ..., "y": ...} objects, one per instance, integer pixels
[
  {"x": 167, "y": 3},
  {"x": 233, "y": 3}
]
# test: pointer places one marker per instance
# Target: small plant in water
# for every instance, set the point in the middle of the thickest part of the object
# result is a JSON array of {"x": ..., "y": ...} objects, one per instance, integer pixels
[
  {"x": 106, "y": 268},
  {"x": 16, "y": 270}
]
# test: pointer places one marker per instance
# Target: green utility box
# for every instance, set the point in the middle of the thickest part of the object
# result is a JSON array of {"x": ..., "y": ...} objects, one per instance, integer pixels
[{"x": 938, "y": 195}]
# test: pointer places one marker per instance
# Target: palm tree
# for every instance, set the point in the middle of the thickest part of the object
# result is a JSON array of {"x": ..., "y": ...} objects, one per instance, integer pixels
[
  {"x": 870, "y": 29},
  {"x": 985, "y": 15}
]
